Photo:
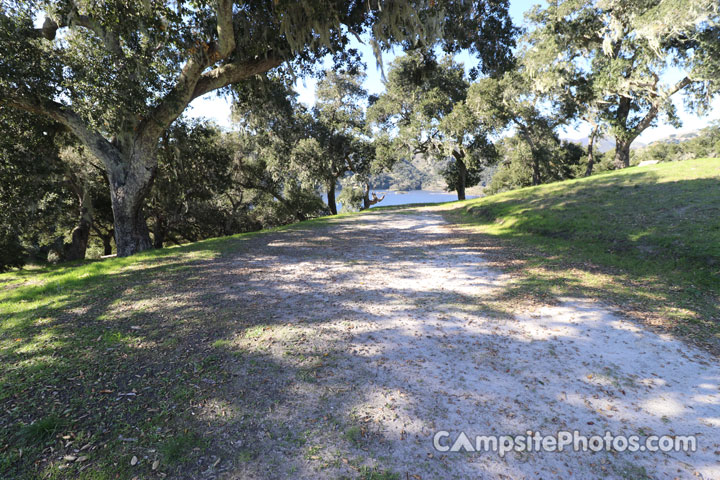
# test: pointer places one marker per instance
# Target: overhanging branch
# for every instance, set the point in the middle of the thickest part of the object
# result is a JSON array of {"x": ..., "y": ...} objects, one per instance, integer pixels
[
  {"x": 73, "y": 19},
  {"x": 655, "y": 107},
  {"x": 230, "y": 73},
  {"x": 97, "y": 143}
]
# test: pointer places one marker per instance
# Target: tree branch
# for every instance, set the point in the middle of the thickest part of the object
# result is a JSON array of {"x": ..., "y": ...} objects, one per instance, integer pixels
[
  {"x": 74, "y": 18},
  {"x": 655, "y": 108},
  {"x": 97, "y": 143},
  {"x": 192, "y": 83},
  {"x": 175, "y": 102},
  {"x": 230, "y": 73},
  {"x": 678, "y": 86},
  {"x": 225, "y": 31}
]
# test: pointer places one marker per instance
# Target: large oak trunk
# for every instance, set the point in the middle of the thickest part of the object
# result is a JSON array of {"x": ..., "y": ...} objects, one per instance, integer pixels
[
  {"x": 130, "y": 184},
  {"x": 622, "y": 153},
  {"x": 622, "y": 143},
  {"x": 331, "y": 197}
]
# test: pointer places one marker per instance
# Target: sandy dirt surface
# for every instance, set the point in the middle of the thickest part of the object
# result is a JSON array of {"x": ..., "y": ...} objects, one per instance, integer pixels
[{"x": 374, "y": 332}]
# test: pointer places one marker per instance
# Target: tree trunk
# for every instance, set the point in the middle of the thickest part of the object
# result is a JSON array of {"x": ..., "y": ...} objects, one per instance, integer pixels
[
  {"x": 591, "y": 152},
  {"x": 462, "y": 175},
  {"x": 535, "y": 161},
  {"x": 622, "y": 152},
  {"x": 366, "y": 197},
  {"x": 130, "y": 183},
  {"x": 159, "y": 233},
  {"x": 331, "y": 197},
  {"x": 622, "y": 144},
  {"x": 77, "y": 247},
  {"x": 107, "y": 243},
  {"x": 536, "y": 170}
]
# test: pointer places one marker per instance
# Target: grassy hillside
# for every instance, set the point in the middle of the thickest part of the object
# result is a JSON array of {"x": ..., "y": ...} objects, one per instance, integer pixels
[{"x": 645, "y": 238}]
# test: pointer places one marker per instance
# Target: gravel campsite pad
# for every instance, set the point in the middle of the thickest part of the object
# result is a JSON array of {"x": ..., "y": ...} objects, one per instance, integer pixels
[{"x": 377, "y": 331}]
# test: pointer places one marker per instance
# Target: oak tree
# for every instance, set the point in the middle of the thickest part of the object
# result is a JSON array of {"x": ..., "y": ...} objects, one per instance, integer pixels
[
  {"x": 118, "y": 73},
  {"x": 613, "y": 62}
]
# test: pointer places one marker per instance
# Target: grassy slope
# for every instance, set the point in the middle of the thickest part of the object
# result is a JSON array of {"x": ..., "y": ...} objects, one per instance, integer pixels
[{"x": 646, "y": 239}]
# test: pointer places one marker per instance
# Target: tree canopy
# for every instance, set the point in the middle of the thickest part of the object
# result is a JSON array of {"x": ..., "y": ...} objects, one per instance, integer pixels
[
  {"x": 118, "y": 73},
  {"x": 424, "y": 109},
  {"x": 610, "y": 61}
]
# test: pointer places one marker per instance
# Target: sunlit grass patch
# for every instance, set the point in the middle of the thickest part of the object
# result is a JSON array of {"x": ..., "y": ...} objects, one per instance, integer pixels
[{"x": 647, "y": 239}]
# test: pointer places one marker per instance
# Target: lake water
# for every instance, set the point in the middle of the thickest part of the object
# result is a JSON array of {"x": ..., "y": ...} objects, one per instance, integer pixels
[
  {"x": 415, "y": 196},
  {"x": 411, "y": 196}
]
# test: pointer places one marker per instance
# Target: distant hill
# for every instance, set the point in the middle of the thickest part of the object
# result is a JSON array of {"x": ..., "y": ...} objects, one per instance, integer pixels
[
  {"x": 698, "y": 143},
  {"x": 607, "y": 143},
  {"x": 678, "y": 137},
  {"x": 420, "y": 173},
  {"x": 602, "y": 144}
]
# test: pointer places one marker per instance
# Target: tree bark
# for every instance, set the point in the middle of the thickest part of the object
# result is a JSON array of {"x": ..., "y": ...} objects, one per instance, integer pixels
[
  {"x": 591, "y": 152},
  {"x": 77, "y": 247},
  {"x": 535, "y": 162},
  {"x": 332, "y": 205},
  {"x": 622, "y": 152},
  {"x": 536, "y": 170},
  {"x": 130, "y": 183},
  {"x": 159, "y": 233},
  {"x": 622, "y": 144},
  {"x": 107, "y": 243},
  {"x": 462, "y": 175},
  {"x": 366, "y": 196}
]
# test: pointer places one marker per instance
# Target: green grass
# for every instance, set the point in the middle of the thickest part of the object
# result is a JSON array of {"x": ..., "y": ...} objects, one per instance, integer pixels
[
  {"x": 41, "y": 430},
  {"x": 354, "y": 435},
  {"x": 178, "y": 449},
  {"x": 645, "y": 238}
]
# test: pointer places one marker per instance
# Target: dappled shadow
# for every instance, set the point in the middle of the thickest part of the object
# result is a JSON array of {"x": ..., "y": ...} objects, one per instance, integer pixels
[{"x": 322, "y": 351}]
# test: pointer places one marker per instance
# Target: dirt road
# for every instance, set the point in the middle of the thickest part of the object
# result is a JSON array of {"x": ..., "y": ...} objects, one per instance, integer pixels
[{"x": 375, "y": 332}]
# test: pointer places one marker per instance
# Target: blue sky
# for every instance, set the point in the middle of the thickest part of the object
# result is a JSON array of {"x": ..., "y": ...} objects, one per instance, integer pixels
[{"x": 218, "y": 109}]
